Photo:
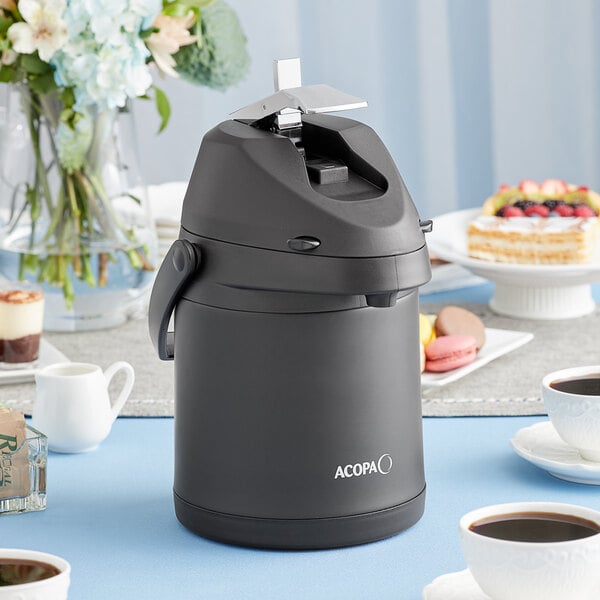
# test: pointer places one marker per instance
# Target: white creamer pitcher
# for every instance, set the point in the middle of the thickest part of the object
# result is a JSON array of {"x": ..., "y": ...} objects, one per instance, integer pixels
[{"x": 73, "y": 407}]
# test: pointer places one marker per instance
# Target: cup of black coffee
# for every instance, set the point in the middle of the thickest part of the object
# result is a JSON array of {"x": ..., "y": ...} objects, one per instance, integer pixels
[
  {"x": 572, "y": 399},
  {"x": 31, "y": 575},
  {"x": 534, "y": 550}
]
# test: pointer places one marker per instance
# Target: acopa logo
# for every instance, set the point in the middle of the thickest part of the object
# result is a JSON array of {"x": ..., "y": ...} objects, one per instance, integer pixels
[{"x": 382, "y": 466}]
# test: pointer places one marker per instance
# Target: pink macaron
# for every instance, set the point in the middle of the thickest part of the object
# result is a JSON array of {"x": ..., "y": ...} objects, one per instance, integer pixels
[{"x": 450, "y": 352}]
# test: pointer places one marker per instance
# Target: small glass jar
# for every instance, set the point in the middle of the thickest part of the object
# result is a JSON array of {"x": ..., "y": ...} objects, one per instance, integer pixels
[{"x": 23, "y": 473}]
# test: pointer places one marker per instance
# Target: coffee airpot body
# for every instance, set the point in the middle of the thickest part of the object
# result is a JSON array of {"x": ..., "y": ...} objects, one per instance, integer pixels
[{"x": 294, "y": 286}]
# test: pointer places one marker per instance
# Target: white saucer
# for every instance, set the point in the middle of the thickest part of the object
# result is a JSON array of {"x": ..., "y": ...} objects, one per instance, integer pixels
[
  {"x": 541, "y": 445},
  {"x": 454, "y": 586}
]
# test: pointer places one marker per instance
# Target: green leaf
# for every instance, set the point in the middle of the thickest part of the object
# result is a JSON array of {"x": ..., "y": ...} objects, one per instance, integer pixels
[
  {"x": 146, "y": 33},
  {"x": 66, "y": 116},
  {"x": 180, "y": 8},
  {"x": 67, "y": 97},
  {"x": 43, "y": 84},
  {"x": 5, "y": 24},
  {"x": 163, "y": 107},
  {"x": 197, "y": 3},
  {"x": 176, "y": 9},
  {"x": 7, "y": 74},
  {"x": 34, "y": 65}
]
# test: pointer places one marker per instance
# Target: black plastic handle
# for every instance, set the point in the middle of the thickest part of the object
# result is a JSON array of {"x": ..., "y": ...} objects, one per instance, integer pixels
[{"x": 179, "y": 265}]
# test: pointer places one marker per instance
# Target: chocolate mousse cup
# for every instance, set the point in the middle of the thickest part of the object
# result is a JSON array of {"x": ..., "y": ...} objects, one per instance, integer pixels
[{"x": 21, "y": 322}]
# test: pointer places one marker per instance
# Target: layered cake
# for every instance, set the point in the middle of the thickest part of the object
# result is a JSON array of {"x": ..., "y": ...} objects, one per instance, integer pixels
[
  {"x": 549, "y": 223},
  {"x": 21, "y": 318}
]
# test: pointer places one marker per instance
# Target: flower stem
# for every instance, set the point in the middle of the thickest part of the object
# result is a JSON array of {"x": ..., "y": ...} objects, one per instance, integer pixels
[
  {"x": 81, "y": 219},
  {"x": 33, "y": 120},
  {"x": 76, "y": 229}
]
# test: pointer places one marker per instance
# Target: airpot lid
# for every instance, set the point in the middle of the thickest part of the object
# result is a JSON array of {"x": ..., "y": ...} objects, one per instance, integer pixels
[{"x": 285, "y": 177}]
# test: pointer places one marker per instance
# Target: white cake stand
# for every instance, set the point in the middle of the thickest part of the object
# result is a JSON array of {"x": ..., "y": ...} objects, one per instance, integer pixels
[{"x": 521, "y": 291}]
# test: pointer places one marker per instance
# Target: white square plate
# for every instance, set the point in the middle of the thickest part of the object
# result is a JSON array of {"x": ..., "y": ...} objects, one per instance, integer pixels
[
  {"x": 497, "y": 343},
  {"x": 49, "y": 355}
]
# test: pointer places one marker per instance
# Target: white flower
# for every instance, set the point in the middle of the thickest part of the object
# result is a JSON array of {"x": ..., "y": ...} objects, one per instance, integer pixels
[
  {"x": 104, "y": 59},
  {"x": 173, "y": 32},
  {"x": 43, "y": 28},
  {"x": 8, "y": 57}
]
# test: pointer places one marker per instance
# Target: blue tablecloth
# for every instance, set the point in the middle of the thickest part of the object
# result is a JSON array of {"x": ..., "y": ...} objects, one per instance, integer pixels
[{"x": 110, "y": 514}]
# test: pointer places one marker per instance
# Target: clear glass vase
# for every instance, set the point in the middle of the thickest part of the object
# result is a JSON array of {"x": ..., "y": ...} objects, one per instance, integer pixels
[{"x": 74, "y": 216}]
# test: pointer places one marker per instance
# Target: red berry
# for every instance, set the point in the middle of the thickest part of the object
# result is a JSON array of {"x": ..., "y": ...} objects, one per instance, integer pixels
[
  {"x": 512, "y": 211},
  {"x": 537, "y": 209},
  {"x": 583, "y": 188},
  {"x": 564, "y": 210},
  {"x": 504, "y": 187},
  {"x": 527, "y": 186},
  {"x": 584, "y": 211},
  {"x": 553, "y": 187}
]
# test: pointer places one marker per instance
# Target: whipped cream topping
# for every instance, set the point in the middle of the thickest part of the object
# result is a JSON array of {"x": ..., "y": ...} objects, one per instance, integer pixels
[
  {"x": 20, "y": 296},
  {"x": 522, "y": 246},
  {"x": 21, "y": 313},
  {"x": 533, "y": 224}
]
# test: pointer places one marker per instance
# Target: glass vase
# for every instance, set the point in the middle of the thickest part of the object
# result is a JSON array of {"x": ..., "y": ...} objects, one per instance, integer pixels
[{"x": 74, "y": 215}]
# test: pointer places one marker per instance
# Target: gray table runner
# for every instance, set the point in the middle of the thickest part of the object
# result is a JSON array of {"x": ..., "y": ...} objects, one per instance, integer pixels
[
  {"x": 152, "y": 394},
  {"x": 509, "y": 385}
]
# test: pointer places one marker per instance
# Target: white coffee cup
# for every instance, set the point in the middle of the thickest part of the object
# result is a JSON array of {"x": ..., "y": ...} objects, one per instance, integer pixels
[
  {"x": 53, "y": 588},
  {"x": 575, "y": 416},
  {"x": 528, "y": 570},
  {"x": 72, "y": 406}
]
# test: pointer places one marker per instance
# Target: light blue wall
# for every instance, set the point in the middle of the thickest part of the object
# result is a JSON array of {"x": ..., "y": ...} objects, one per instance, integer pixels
[{"x": 467, "y": 94}]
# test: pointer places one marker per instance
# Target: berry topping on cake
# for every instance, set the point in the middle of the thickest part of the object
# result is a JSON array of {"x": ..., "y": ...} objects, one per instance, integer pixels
[
  {"x": 510, "y": 211},
  {"x": 554, "y": 187},
  {"x": 553, "y": 198},
  {"x": 537, "y": 210},
  {"x": 584, "y": 211},
  {"x": 554, "y": 223},
  {"x": 527, "y": 186},
  {"x": 524, "y": 204},
  {"x": 552, "y": 204},
  {"x": 564, "y": 210}
]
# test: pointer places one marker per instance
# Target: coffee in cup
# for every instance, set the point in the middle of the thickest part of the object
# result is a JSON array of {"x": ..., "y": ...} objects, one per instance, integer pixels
[
  {"x": 28, "y": 575},
  {"x": 533, "y": 550},
  {"x": 15, "y": 571},
  {"x": 572, "y": 399}
]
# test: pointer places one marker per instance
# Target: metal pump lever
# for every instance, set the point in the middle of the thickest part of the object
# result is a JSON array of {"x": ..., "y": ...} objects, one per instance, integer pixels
[{"x": 295, "y": 97}]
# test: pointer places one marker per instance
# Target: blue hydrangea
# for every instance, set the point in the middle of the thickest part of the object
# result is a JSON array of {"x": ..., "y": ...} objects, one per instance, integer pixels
[{"x": 104, "y": 59}]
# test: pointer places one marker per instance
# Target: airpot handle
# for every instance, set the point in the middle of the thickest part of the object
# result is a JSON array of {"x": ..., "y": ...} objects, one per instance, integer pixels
[{"x": 179, "y": 266}]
